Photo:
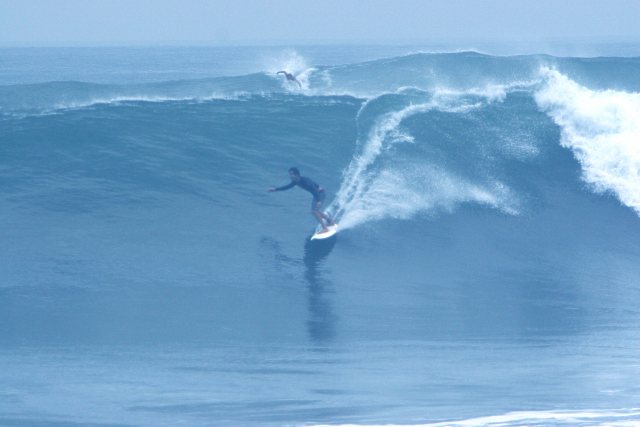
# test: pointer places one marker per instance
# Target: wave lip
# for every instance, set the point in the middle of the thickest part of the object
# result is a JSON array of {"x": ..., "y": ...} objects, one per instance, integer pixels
[{"x": 602, "y": 128}]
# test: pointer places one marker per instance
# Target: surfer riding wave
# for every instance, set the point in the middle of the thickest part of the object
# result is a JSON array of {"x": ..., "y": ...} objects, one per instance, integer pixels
[
  {"x": 290, "y": 77},
  {"x": 315, "y": 190}
]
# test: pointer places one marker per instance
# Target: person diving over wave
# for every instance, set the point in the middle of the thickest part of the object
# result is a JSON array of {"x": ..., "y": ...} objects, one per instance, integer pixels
[
  {"x": 290, "y": 77},
  {"x": 313, "y": 188}
]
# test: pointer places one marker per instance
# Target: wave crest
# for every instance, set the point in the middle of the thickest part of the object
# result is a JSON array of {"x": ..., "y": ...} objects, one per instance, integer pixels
[{"x": 602, "y": 128}]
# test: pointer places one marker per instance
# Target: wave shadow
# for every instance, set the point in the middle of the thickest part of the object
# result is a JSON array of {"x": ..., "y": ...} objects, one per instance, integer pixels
[{"x": 322, "y": 321}]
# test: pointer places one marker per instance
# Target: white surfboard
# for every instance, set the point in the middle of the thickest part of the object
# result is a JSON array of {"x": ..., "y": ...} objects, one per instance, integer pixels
[{"x": 332, "y": 230}]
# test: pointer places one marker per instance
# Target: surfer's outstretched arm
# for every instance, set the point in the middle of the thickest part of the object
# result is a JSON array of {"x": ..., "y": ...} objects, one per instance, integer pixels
[{"x": 283, "y": 188}]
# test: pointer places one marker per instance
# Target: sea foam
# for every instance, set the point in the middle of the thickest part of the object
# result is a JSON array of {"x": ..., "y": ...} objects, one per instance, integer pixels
[
  {"x": 380, "y": 184},
  {"x": 618, "y": 418},
  {"x": 602, "y": 128}
]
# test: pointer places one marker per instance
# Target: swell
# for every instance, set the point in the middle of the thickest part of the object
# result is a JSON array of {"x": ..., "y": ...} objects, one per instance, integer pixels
[
  {"x": 55, "y": 96},
  {"x": 434, "y": 131},
  {"x": 463, "y": 71},
  {"x": 488, "y": 160}
]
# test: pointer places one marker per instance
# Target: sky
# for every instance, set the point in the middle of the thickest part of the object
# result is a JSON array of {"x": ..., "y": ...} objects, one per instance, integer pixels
[{"x": 275, "y": 22}]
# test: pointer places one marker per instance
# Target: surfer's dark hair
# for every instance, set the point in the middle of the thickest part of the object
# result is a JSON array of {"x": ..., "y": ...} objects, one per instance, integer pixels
[{"x": 295, "y": 171}]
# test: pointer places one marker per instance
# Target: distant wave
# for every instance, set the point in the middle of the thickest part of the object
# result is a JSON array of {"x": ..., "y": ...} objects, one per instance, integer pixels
[
  {"x": 55, "y": 96},
  {"x": 294, "y": 63},
  {"x": 453, "y": 72},
  {"x": 593, "y": 418}
]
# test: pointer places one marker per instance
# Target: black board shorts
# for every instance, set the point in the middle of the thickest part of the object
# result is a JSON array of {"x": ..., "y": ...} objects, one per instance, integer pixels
[{"x": 316, "y": 203}]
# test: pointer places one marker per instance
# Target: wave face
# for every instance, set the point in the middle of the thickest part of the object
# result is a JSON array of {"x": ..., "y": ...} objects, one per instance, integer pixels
[{"x": 490, "y": 226}]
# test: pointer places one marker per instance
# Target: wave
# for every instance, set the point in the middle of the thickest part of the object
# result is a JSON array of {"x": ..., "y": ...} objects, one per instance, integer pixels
[
  {"x": 165, "y": 199},
  {"x": 55, "y": 96},
  {"x": 385, "y": 180},
  {"x": 602, "y": 128},
  {"x": 396, "y": 174},
  {"x": 294, "y": 63},
  {"x": 460, "y": 71},
  {"x": 593, "y": 418},
  {"x": 435, "y": 131}
]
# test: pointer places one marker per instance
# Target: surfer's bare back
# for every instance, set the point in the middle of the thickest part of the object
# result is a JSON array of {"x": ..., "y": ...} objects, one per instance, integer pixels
[{"x": 313, "y": 188}]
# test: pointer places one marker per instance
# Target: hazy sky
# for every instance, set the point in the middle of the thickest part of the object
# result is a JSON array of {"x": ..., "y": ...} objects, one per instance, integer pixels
[{"x": 87, "y": 22}]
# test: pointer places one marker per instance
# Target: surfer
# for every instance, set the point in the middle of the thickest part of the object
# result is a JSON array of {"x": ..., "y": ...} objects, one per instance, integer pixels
[
  {"x": 290, "y": 77},
  {"x": 313, "y": 188}
]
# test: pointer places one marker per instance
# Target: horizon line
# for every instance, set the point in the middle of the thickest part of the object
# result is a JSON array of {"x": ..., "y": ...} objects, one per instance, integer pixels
[{"x": 575, "y": 42}]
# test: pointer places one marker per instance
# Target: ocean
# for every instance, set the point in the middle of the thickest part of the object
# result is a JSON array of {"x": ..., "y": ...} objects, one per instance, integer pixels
[{"x": 486, "y": 271}]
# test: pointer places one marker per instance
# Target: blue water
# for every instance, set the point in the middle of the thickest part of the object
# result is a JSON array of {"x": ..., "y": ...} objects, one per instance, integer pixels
[{"x": 486, "y": 272}]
